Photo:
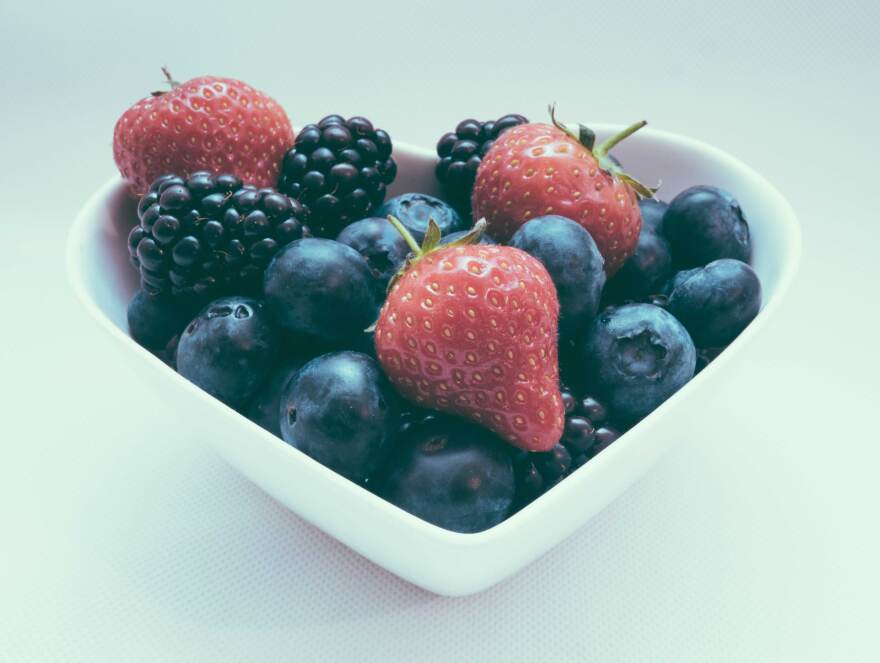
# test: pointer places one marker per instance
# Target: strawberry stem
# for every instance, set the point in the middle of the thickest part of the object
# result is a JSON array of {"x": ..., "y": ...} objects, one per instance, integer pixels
[
  {"x": 407, "y": 236},
  {"x": 169, "y": 78},
  {"x": 586, "y": 138},
  {"x": 430, "y": 243},
  {"x": 609, "y": 144}
]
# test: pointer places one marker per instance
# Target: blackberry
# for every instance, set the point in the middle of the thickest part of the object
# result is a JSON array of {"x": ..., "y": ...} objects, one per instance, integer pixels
[
  {"x": 208, "y": 235},
  {"x": 338, "y": 169},
  {"x": 586, "y": 433},
  {"x": 461, "y": 152}
]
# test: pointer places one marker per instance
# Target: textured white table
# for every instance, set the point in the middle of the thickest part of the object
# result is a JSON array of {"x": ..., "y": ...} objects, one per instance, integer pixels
[{"x": 123, "y": 539}]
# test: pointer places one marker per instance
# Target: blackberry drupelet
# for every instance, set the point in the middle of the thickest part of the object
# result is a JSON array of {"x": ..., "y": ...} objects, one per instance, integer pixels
[
  {"x": 208, "y": 235},
  {"x": 339, "y": 169},
  {"x": 587, "y": 432},
  {"x": 461, "y": 152}
]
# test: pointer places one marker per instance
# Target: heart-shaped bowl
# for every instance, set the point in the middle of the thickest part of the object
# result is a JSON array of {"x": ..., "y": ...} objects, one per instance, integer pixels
[{"x": 438, "y": 560}]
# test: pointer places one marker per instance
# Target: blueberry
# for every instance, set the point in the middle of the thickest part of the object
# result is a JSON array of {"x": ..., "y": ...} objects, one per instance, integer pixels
[
  {"x": 340, "y": 410},
  {"x": 716, "y": 302},
  {"x": 414, "y": 210},
  {"x": 380, "y": 244},
  {"x": 636, "y": 356},
  {"x": 154, "y": 320},
  {"x": 168, "y": 354},
  {"x": 646, "y": 270},
  {"x": 677, "y": 279},
  {"x": 706, "y": 356},
  {"x": 321, "y": 288},
  {"x": 451, "y": 237},
  {"x": 574, "y": 263},
  {"x": 705, "y": 223},
  {"x": 265, "y": 406},
  {"x": 229, "y": 349},
  {"x": 652, "y": 214},
  {"x": 451, "y": 473}
]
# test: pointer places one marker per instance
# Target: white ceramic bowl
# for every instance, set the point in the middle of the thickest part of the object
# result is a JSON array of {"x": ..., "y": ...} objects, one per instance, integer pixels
[{"x": 436, "y": 559}]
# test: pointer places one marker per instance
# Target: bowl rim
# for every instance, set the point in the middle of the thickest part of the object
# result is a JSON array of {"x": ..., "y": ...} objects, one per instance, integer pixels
[{"x": 88, "y": 222}]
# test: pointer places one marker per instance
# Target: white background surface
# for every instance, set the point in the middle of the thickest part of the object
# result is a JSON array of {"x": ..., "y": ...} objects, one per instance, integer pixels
[{"x": 123, "y": 539}]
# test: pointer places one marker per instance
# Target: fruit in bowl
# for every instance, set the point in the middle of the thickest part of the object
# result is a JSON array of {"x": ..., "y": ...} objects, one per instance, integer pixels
[
  {"x": 412, "y": 450},
  {"x": 207, "y": 123}
]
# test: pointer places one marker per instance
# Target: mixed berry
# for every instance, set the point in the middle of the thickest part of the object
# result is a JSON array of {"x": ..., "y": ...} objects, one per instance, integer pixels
[
  {"x": 207, "y": 235},
  {"x": 395, "y": 341},
  {"x": 461, "y": 153},
  {"x": 339, "y": 168}
]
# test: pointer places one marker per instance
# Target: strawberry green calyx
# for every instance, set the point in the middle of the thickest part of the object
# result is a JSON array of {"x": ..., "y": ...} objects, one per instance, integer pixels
[
  {"x": 602, "y": 156},
  {"x": 430, "y": 243},
  {"x": 586, "y": 137}
]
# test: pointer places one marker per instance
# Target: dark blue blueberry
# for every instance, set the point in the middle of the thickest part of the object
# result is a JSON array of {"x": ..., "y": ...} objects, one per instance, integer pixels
[
  {"x": 414, "y": 210},
  {"x": 705, "y": 223},
  {"x": 652, "y": 214},
  {"x": 154, "y": 320},
  {"x": 451, "y": 473},
  {"x": 321, "y": 288},
  {"x": 380, "y": 244},
  {"x": 706, "y": 356},
  {"x": 716, "y": 302},
  {"x": 677, "y": 279},
  {"x": 229, "y": 349},
  {"x": 265, "y": 406},
  {"x": 647, "y": 269},
  {"x": 451, "y": 237},
  {"x": 635, "y": 357},
  {"x": 574, "y": 263},
  {"x": 340, "y": 410},
  {"x": 365, "y": 343}
]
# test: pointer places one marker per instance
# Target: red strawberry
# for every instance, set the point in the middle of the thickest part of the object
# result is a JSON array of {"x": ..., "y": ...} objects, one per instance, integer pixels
[
  {"x": 208, "y": 123},
  {"x": 471, "y": 329},
  {"x": 538, "y": 169}
]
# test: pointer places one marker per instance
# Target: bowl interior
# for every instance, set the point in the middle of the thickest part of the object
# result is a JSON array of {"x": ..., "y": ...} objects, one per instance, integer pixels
[{"x": 436, "y": 559}]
